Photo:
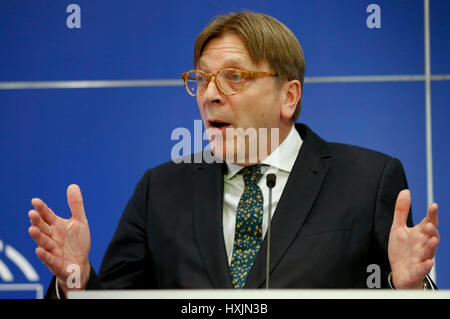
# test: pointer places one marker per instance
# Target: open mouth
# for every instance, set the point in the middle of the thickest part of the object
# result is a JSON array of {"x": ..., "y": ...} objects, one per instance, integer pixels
[{"x": 219, "y": 124}]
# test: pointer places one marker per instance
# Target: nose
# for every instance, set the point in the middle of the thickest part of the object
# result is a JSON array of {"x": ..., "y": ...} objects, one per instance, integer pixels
[{"x": 212, "y": 93}]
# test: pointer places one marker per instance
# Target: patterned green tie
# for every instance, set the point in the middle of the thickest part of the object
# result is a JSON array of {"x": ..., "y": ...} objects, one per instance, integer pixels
[{"x": 248, "y": 234}]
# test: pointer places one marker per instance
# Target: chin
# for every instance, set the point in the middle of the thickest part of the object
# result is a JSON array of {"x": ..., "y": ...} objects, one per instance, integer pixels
[{"x": 232, "y": 151}]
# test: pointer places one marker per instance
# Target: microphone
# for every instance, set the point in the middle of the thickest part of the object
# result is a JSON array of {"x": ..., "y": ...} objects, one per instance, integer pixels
[{"x": 270, "y": 182}]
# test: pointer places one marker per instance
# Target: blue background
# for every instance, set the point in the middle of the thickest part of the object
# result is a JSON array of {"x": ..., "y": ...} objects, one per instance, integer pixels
[{"x": 105, "y": 138}]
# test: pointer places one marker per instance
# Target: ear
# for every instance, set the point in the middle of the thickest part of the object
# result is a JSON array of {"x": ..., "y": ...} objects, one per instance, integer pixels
[{"x": 291, "y": 94}]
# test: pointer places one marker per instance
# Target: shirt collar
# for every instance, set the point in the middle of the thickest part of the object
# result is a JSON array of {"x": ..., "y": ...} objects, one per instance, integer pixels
[{"x": 282, "y": 158}]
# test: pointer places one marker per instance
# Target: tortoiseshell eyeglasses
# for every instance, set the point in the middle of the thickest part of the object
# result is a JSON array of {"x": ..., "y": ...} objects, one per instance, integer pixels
[{"x": 229, "y": 81}]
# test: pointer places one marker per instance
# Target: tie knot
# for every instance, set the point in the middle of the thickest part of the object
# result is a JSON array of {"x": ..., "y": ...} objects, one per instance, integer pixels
[{"x": 251, "y": 174}]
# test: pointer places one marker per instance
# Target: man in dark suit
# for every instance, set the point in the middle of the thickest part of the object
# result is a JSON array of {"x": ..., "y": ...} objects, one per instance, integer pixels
[{"x": 338, "y": 209}]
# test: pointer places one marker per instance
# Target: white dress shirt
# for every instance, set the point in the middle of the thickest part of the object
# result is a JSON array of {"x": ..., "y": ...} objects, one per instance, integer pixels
[{"x": 279, "y": 162}]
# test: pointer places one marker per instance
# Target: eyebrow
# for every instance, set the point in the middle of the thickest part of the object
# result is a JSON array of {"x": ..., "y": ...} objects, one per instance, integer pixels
[{"x": 228, "y": 63}]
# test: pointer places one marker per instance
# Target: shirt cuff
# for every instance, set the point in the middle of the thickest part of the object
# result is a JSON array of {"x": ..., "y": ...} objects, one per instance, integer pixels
[
  {"x": 58, "y": 296},
  {"x": 427, "y": 285}
]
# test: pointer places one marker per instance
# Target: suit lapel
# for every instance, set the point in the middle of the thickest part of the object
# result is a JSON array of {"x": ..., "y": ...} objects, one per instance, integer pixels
[
  {"x": 208, "y": 224},
  {"x": 297, "y": 199}
]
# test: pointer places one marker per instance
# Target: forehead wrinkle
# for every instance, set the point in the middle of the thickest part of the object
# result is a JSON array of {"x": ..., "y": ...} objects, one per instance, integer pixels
[
  {"x": 225, "y": 52},
  {"x": 225, "y": 60}
]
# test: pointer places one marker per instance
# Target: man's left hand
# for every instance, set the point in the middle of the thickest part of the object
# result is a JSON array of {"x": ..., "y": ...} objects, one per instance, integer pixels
[{"x": 411, "y": 249}]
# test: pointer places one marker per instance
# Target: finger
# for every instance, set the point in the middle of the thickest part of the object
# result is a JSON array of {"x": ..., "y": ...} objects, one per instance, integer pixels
[
  {"x": 37, "y": 221},
  {"x": 432, "y": 246},
  {"x": 430, "y": 230},
  {"x": 420, "y": 270},
  {"x": 402, "y": 207},
  {"x": 46, "y": 258},
  {"x": 428, "y": 250},
  {"x": 41, "y": 239},
  {"x": 426, "y": 267},
  {"x": 43, "y": 210},
  {"x": 53, "y": 263},
  {"x": 75, "y": 201},
  {"x": 432, "y": 214}
]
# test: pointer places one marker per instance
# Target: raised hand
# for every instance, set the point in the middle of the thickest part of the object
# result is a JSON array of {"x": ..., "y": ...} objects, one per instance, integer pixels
[
  {"x": 61, "y": 242},
  {"x": 411, "y": 249}
]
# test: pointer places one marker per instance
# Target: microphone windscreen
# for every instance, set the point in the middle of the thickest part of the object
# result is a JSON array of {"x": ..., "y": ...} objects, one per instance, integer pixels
[{"x": 270, "y": 180}]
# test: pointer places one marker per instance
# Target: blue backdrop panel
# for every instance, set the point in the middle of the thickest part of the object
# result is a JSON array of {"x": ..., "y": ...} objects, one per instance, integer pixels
[
  {"x": 441, "y": 156},
  {"x": 18, "y": 294},
  {"x": 141, "y": 39},
  {"x": 440, "y": 36}
]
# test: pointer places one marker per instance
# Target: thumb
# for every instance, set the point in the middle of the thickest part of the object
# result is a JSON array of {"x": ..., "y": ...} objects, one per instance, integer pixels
[
  {"x": 75, "y": 201},
  {"x": 402, "y": 207}
]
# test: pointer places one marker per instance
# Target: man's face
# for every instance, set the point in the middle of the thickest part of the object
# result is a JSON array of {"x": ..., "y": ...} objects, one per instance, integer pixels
[{"x": 256, "y": 106}]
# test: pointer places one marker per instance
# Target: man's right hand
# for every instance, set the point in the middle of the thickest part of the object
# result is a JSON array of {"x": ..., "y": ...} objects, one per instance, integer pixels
[{"x": 62, "y": 242}]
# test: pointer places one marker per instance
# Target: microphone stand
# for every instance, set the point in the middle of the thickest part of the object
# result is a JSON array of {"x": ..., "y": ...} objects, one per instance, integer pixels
[{"x": 270, "y": 181}]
